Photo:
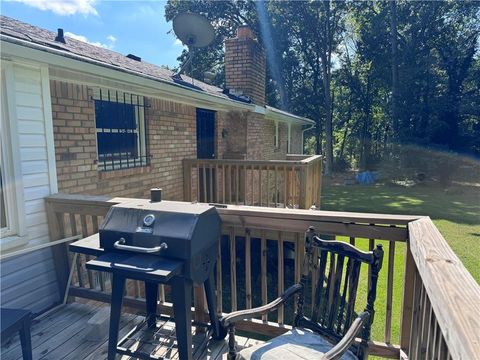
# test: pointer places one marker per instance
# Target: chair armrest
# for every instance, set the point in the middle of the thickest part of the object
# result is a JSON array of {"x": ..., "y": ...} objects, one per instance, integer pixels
[
  {"x": 249, "y": 313},
  {"x": 343, "y": 345}
]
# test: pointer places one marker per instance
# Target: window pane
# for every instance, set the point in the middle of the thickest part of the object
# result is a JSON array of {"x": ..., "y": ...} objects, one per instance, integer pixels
[
  {"x": 112, "y": 115},
  {"x": 116, "y": 143}
]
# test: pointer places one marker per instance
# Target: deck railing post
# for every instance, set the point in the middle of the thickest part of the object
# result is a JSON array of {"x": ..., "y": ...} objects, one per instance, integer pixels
[
  {"x": 187, "y": 180},
  {"x": 407, "y": 300},
  {"x": 303, "y": 202},
  {"x": 318, "y": 183},
  {"x": 59, "y": 252},
  {"x": 201, "y": 312}
]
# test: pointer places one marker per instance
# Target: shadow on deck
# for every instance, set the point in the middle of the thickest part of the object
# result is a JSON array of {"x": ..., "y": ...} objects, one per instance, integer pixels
[{"x": 63, "y": 334}]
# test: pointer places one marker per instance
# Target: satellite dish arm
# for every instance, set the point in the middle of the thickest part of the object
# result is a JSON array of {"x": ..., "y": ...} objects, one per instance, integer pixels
[{"x": 185, "y": 64}]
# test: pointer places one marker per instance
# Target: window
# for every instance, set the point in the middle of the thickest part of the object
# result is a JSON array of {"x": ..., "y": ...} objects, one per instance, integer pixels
[
  {"x": 121, "y": 130},
  {"x": 8, "y": 201},
  {"x": 12, "y": 210}
]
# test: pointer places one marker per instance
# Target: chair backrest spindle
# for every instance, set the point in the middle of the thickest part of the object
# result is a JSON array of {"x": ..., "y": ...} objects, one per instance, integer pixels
[{"x": 333, "y": 304}]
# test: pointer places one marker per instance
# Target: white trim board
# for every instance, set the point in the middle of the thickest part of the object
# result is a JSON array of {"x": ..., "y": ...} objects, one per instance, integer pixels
[
  {"x": 14, "y": 148},
  {"x": 47, "y": 113}
]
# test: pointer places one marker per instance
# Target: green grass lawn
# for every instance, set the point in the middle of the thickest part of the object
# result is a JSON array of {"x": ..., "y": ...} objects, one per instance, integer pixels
[{"x": 456, "y": 213}]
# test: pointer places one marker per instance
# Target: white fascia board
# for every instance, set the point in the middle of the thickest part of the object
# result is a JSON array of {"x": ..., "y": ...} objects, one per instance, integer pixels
[
  {"x": 260, "y": 110},
  {"x": 16, "y": 48},
  {"x": 280, "y": 115}
]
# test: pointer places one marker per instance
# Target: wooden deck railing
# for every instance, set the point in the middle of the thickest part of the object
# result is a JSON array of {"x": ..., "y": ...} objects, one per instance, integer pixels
[
  {"x": 293, "y": 183},
  {"x": 260, "y": 256},
  {"x": 441, "y": 319}
]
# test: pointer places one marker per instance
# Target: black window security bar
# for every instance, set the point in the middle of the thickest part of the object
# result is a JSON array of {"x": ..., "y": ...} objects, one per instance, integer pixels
[{"x": 121, "y": 130}]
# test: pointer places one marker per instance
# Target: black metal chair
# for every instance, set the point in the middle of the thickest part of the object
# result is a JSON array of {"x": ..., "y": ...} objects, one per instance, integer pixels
[
  {"x": 17, "y": 320},
  {"x": 331, "y": 330}
]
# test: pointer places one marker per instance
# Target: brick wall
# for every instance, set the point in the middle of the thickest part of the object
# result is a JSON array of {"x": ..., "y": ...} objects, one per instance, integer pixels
[
  {"x": 297, "y": 144},
  {"x": 245, "y": 65},
  {"x": 232, "y": 135},
  {"x": 251, "y": 136},
  {"x": 260, "y": 135},
  {"x": 171, "y": 137}
]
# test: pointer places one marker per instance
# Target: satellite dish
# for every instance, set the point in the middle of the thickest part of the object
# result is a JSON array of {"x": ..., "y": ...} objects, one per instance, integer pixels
[{"x": 194, "y": 30}]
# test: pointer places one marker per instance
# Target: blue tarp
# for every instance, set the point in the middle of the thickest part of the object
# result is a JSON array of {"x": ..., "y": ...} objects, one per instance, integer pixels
[{"x": 366, "y": 177}]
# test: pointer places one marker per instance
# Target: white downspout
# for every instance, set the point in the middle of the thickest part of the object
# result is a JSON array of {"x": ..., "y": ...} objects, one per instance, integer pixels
[{"x": 289, "y": 137}]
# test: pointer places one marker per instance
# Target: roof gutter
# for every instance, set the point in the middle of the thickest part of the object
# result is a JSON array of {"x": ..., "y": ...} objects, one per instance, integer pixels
[
  {"x": 20, "y": 48},
  {"x": 280, "y": 115}
]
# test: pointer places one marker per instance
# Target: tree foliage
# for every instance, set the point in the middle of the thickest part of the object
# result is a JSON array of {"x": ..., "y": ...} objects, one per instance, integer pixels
[{"x": 371, "y": 74}]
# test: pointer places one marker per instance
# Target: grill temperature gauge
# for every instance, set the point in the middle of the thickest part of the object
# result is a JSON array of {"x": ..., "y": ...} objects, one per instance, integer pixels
[{"x": 149, "y": 220}]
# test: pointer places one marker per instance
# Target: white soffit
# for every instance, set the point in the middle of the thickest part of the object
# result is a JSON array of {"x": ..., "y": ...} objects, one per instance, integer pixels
[{"x": 280, "y": 115}]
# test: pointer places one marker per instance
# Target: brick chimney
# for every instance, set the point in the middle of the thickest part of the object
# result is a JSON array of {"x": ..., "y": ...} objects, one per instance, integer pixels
[{"x": 245, "y": 65}]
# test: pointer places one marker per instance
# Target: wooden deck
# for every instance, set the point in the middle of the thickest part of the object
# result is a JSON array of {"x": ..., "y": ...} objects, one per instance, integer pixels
[
  {"x": 437, "y": 316},
  {"x": 63, "y": 334}
]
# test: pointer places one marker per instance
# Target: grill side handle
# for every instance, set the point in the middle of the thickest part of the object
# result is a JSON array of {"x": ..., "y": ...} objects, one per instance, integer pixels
[{"x": 120, "y": 244}]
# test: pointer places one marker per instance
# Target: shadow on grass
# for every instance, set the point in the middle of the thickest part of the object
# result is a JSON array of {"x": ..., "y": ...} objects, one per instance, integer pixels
[{"x": 459, "y": 204}]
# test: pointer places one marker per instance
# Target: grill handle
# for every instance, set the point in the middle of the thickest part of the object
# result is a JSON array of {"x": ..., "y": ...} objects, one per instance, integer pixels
[{"x": 120, "y": 244}]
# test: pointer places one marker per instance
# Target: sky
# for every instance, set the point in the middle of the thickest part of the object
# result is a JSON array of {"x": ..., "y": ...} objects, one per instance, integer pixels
[{"x": 124, "y": 26}]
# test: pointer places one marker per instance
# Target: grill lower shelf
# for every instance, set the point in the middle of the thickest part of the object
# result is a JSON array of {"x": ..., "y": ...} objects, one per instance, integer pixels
[{"x": 160, "y": 343}]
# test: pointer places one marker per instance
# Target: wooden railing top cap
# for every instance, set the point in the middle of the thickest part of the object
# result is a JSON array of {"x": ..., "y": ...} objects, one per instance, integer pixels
[{"x": 452, "y": 290}]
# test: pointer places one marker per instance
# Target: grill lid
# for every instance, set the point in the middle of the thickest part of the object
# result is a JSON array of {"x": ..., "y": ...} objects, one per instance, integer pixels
[{"x": 185, "y": 228}]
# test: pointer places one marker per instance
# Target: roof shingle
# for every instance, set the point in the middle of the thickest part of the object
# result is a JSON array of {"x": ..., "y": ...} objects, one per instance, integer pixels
[{"x": 20, "y": 30}]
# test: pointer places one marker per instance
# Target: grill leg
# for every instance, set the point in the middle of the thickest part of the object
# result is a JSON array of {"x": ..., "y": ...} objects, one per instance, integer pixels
[
  {"x": 118, "y": 284},
  {"x": 151, "y": 295},
  {"x": 212, "y": 308},
  {"x": 182, "y": 301}
]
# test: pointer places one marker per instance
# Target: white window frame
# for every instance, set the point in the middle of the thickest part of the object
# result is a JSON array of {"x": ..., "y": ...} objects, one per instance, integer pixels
[
  {"x": 130, "y": 98},
  {"x": 10, "y": 162},
  {"x": 9, "y": 196}
]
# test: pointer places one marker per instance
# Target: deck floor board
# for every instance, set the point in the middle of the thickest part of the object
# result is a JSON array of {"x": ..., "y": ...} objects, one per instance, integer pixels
[{"x": 61, "y": 334}]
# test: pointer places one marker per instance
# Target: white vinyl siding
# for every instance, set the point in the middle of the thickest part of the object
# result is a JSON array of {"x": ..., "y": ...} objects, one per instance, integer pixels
[{"x": 28, "y": 281}]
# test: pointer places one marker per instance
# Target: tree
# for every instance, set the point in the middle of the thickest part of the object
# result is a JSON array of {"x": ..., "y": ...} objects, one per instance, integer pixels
[
  {"x": 393, "y": 40},
  {"x": 402, "y": 72},
  {"x": 456, "y": 44}
]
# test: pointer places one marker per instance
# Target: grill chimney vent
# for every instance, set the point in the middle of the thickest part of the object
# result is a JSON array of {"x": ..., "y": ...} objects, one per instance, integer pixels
[
  {"x": 134, "y": 57},
  {"x": 60, "y": 37}
]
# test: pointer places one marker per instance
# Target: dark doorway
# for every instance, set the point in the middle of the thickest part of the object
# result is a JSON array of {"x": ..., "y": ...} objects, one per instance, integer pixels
[
  {"x": 206, "y": 150},
  {"x": 205, "y": 134}
]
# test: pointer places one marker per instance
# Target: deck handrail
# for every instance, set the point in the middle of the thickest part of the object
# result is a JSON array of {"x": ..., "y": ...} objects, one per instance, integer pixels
[
  {"x": 271, "y": 183},
  {"x": 439, "y": 296},
  {"x": 305, "y": 161},
  {"x": 449, "y": 296}
]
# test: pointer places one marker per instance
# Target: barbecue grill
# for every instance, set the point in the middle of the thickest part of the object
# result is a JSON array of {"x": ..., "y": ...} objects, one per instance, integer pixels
[{"x": 167, "y": 242}]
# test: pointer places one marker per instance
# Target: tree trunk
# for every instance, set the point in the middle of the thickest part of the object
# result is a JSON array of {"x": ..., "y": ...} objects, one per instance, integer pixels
[
  {"x": 366, "y": 140},
  {"x": 326, "y": 69},
  {"x": 394, "y": 54},
  {"x": 318, "y": 137},
  {"x": 347, "y": 123}
]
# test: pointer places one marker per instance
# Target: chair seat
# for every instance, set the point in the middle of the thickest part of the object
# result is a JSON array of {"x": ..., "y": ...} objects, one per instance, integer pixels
[{"x": 297, "y": 344}]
